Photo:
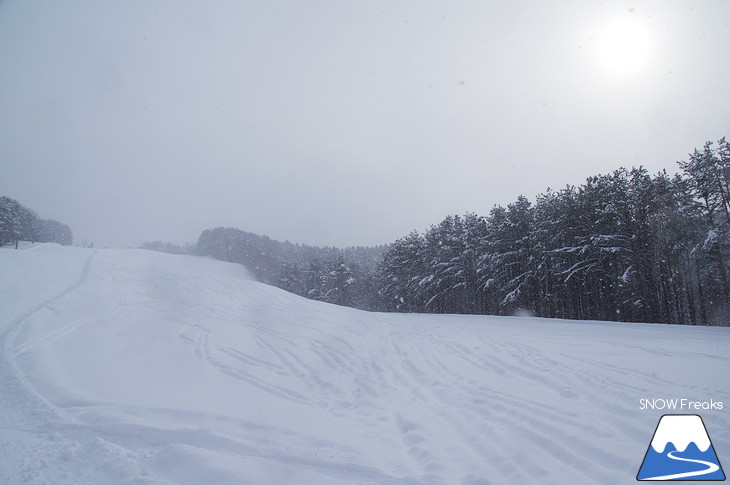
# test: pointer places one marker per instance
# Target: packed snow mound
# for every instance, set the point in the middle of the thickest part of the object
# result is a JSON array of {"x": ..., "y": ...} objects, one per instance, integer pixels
[{"x": 130, "y": 366}]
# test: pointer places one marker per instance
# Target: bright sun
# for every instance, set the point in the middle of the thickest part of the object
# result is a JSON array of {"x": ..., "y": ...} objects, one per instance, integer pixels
[{"x": 623, "y": 46}]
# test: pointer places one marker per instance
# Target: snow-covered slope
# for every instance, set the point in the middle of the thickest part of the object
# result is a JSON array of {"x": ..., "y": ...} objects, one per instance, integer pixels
[{"x": 135, "y": 367}]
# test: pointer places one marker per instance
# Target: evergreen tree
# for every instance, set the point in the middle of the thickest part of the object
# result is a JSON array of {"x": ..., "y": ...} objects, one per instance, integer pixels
[
  {"x": 402, "y": 275},
  {"x": 18, "y": 223}
]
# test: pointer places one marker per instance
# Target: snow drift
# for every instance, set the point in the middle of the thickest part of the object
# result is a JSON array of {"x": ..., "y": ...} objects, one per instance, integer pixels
[{"x": 130, "y": 366}]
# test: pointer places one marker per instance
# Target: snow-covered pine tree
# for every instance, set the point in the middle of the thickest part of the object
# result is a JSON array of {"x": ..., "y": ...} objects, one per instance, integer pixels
[
  {"x": 401, "y": 273},
  {"x": 708, "y": 176}
]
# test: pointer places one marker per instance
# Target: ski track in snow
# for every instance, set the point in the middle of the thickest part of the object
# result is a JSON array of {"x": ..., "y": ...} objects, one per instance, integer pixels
[{"x": 133, "y": 367}]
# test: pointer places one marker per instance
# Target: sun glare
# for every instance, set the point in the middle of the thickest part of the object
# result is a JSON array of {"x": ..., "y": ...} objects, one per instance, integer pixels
[{"x": 623, "y": 46}]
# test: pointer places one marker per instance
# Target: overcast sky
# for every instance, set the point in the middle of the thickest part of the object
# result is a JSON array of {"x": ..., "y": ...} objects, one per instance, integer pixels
[{"x": 341, "y": 122}]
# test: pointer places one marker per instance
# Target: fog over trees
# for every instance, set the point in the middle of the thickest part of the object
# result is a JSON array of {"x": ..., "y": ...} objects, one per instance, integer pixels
[
  {"x": 18, "y": 223},
  {"x": 625, "y": 246},
  {"x": 339, "y": 276}
]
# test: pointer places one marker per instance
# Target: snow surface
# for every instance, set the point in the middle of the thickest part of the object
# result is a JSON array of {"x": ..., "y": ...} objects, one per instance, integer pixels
[{"x": 136, "y": 367}]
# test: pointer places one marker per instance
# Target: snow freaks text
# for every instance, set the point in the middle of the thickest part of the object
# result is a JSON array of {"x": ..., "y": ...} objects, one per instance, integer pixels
[{"x": 679, "y": 404}]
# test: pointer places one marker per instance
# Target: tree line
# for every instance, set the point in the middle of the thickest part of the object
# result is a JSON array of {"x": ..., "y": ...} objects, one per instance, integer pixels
[
  {"x": 340, "y": 276},
  {"x": 625, "y": 246},
  {"x": 18, "y": 223}
]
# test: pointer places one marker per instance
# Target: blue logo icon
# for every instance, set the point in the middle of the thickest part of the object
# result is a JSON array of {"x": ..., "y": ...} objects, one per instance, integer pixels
[{"x": 681, "y": 450}]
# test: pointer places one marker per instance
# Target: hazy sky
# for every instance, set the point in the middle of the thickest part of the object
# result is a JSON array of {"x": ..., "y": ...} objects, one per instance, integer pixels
[{"x": 341, "y": 122}]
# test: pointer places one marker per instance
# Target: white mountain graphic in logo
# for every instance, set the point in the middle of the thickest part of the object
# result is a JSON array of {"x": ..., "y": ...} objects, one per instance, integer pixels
[{"x": 681, "y": 450}]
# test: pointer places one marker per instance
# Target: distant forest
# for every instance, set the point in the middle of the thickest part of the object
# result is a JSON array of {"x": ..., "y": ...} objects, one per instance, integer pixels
[
  {"x": 626, "y": 246},
  {"x": 18, "y": 223}
]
